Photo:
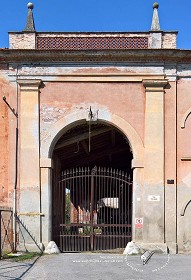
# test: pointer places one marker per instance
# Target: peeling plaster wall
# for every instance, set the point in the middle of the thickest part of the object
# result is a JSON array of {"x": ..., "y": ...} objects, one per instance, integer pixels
[
  {"x": 7, "y": 138},
  {"x": 55, "y": 71},
  {"x": 4, "y": 141},
  {"x": 123, "y": 99},
  {"x": 169, "y": 41},
  {"x": 22, "y": 40},
  {"x": 184, "y": 158}
]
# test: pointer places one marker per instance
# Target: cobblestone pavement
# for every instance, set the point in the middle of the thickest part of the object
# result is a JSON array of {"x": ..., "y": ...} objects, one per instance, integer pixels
[{"x": 92, "y": 266}]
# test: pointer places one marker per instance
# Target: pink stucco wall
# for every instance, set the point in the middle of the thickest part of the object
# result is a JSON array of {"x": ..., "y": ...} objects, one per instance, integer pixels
[
  {"x": 124, "y": 99},
  {"x": 3, "y": 145}
]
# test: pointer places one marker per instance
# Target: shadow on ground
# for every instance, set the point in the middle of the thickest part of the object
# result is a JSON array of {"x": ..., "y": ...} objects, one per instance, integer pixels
[{"x": 15, "y": 270}]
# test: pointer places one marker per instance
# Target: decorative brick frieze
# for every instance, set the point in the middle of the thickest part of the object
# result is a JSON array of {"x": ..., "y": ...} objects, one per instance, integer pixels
[{"x": 80, "y": 43}]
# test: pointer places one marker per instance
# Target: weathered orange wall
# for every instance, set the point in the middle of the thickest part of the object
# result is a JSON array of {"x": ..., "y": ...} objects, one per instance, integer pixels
[
  {"x": 3, "y": 146},
  {"x": 184, "y": 134},
  {"x": 170, "y": 132},
  {"x": 126, "y": 100}
]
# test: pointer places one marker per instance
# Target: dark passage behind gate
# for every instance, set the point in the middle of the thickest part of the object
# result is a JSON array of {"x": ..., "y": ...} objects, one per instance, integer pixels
[{"x": 92, "y": 210}]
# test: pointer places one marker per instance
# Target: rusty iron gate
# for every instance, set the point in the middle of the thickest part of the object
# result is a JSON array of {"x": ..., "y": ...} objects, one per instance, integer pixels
[
  {"x": 6, "y": 231},
  {"x": 92, "y": 210}
]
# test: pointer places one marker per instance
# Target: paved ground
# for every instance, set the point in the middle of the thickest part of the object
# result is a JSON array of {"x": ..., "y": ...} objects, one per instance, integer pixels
[{"x": 98, "y": 267}]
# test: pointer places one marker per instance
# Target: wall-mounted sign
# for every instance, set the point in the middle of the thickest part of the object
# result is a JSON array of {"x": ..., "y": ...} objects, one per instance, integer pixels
[
  {"x": 139, "y": 222},
  {"x": 154, "y": 198}
]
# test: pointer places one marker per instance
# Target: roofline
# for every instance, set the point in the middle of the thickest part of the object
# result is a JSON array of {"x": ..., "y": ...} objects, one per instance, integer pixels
[
  {"x": 94, "y": 32},
  {"x": 89, "y": 56}
]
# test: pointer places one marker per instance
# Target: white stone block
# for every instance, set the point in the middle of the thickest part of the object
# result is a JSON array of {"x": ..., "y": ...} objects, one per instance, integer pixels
[
  {"x": 52, "y": 248},
  {"x": 131, "y": 249}
]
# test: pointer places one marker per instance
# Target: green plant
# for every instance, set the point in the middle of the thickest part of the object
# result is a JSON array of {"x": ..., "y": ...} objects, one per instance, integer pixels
[
  {"x": 85, "y": 230},
  {"x": 22, "y": 257}
]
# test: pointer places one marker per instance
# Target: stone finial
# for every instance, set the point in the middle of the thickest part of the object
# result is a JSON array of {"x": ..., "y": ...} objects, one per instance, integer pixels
[
  {"x": 155, "y": 21},
  {"x": 30, "y": 27}
]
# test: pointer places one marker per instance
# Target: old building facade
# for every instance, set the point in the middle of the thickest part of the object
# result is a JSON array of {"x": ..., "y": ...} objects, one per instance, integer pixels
[{"x": 113, "y": 100}]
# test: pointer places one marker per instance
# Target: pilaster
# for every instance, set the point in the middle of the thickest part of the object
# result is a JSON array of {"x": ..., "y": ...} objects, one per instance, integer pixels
[
  {"x": 29, "y": 200},
  {"x": 46, "y": 166},
  {"x": 153, "y": 198}
]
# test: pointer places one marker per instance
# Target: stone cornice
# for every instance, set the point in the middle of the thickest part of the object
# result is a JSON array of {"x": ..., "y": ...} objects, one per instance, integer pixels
[{"x": 88, "y": 56}]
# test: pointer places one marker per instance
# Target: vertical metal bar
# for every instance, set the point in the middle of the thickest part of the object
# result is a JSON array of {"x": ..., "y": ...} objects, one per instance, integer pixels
[
  {"x": 122, "y": 214},
  {"x": 131, "y": 186},
  {"x": 128, "y": 203},
  {"x": 60, "y": 215},
  {"x": 99, "y": 210},
  {"x": 115, "y": 221},
  {"x": 105, "y": 212},
  {"x": 110, "y": 211},
  {"x": 66, "y": 214},
  {"x": 125, "y": 207},
  {"x": 88, "y": 186},
  {"x": 91, "y": 211},
  {"x": 85, "y": 196},
  {"x": 74, "y": 203},
  {"x": 121, "y": 206},
  {"x": 113, "y": 239},
  {"x": 63, "y": 210},
  {"x": 57, "y": 225},
  {"x": 78, "y": 239},
  {"x": 82, "y": 207},
  {"x": 123, "y": 202},
  {"x": 85, "y": 211}
]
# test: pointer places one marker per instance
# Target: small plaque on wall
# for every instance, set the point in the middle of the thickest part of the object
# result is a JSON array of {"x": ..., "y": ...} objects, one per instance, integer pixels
[
  {"x": 170, "y": 181},
  {"x": 154, "y": 198}
]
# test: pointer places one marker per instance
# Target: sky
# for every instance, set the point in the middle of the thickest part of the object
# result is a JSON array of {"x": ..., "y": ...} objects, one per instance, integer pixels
[{"x": 97, "y": 15}]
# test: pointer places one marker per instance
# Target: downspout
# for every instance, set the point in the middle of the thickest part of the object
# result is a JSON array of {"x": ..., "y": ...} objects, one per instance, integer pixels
[
  {"x": 16, "y": 170},
  {"x": 176, "y": 111},
  {"x": 164, "y": 169}
]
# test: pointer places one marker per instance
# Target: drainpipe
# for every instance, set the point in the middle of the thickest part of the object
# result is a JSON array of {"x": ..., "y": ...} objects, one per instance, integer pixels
[
  {"x": 16, "y": 170},
  {"x": 176, "y": 112}
]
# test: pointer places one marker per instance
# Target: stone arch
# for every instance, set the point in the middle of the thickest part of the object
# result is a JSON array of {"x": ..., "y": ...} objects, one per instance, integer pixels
[
  {"x": 185, "y": 117},
  {"x": 47, "y": 146},
  {"x": 58, "y": 128}
]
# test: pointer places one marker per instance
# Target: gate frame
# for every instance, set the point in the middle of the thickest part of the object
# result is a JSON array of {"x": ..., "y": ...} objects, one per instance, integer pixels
[
  {"x": 96, "y": 175},
  {"x": 55, "y": 131}
]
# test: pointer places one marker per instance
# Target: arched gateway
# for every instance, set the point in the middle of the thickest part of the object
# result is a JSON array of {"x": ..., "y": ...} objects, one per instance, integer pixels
[
  {"x": 92, "y": 205},
  {"x": 91, "y": 184}
]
